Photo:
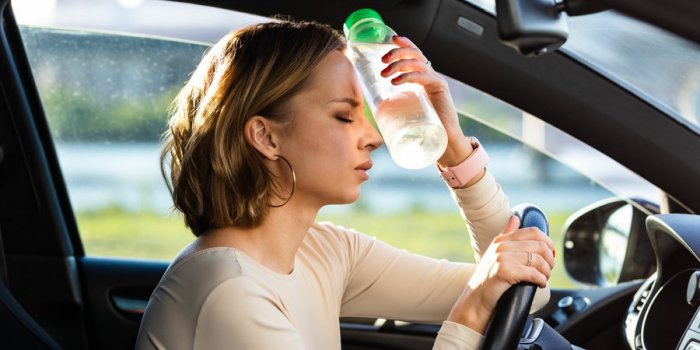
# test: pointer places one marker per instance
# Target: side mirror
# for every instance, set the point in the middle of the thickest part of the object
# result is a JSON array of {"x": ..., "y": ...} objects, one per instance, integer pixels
[
  {"x": 606, "y": 242},
  {"x": 536, "y": 27}
]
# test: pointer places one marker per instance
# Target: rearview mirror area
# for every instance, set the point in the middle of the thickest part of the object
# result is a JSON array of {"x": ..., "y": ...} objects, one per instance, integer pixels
[
  {"x": 531, "y": 27},
  {"x": 606, "y": 243},
  {"x": 537, "y": 27}
]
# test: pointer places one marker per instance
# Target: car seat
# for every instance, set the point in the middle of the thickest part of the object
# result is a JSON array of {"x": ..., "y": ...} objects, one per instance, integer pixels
[{"x": 18, "y": 330}]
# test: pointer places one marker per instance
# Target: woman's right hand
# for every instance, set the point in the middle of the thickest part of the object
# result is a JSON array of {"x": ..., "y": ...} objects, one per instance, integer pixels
[{"x": 506, "y": 262}]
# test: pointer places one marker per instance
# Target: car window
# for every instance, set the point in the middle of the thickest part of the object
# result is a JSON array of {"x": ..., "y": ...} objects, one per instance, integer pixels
[
  {"x": 657, "y": 65},
  {"x": 106, "y": 98},
  {"x": 106, "y": 91}
]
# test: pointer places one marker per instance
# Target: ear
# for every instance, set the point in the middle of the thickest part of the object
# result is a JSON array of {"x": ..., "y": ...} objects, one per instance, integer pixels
[{"x": 258, "y": 133}]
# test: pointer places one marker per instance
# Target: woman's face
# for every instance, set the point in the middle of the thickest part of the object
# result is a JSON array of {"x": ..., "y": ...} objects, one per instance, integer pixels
[{"x": 330, "y": 141}]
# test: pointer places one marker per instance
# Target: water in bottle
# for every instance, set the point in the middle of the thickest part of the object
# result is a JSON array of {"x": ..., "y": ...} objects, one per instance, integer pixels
[{"x": 406, "y": 119}]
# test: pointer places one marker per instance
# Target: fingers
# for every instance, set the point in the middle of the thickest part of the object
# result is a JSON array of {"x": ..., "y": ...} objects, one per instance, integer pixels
[
  {"x": 405, "y": 50},
  {"x": 532, "y": 275},
  {"x": 539, "y": 263},
  {"x": 411, "y": 65},
  {"x": 402, "y": 53},
  {"x": 513, "y": 224},
  {"x": 516, "y": 267},
  {"x": 404, "y": 65},
  {"x": 523, "y": 255},
  {"x": 527, "y": 249},
  {"x": 525, "y": 234}
]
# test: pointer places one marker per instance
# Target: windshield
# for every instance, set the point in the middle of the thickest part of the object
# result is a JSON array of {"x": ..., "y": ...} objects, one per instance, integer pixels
[{"x": 656, "y": 65}]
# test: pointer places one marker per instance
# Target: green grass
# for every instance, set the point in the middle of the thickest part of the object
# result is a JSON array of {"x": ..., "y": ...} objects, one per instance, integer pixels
[{"x": 115, "y": 232}]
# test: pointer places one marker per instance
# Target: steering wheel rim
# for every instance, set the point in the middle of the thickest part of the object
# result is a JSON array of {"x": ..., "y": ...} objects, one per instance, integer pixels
[{"x": 513, "y": 307}]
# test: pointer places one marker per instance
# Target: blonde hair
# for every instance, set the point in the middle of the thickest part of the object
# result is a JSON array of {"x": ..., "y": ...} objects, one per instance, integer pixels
[{"x": 216, "y": 177}]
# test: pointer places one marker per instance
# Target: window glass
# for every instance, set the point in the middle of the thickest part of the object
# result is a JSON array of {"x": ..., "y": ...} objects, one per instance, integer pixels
[
  {"x": 106, "y": 97},
  {"x": 107, "y": 72},
  {"x": 657, "y": 65},
  {"x": 654, "y": 64}
]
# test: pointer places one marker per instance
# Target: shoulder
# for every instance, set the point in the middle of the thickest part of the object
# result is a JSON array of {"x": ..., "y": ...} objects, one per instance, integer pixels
[
  {"x": 192, "y": 278},
  {"x": 198, "y": 275},
  {"x": 175, "y": 305},
  {"x": 241, "y": 295},
  {"x": 208, "y": 266},
  {"x": 206, "y": 275}
]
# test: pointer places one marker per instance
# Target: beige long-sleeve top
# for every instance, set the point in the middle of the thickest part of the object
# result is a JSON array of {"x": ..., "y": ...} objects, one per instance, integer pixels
[{"x": 219, "y": 298}]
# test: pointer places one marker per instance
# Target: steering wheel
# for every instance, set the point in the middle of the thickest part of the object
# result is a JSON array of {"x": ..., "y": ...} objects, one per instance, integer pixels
[{"x": 513, "y": 307}]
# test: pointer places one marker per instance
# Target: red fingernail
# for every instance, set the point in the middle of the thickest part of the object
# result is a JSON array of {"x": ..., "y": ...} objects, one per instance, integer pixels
[
  {"x": 388, "y": 54},
  {"x": 384, "y": 70},
  {"x": 396, "y": 36},
  {"x": 396, "y": 80},
  {"x": 554, "y": 253}
]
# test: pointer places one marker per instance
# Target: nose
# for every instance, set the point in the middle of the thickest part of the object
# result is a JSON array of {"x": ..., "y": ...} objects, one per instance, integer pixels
[{"x": 371, "y": 139}]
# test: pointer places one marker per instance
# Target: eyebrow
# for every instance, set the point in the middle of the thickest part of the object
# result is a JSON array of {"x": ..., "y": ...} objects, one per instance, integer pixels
[{"x": 353, "y": 103}]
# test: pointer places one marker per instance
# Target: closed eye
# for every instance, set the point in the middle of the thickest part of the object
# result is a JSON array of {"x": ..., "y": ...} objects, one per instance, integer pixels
[{"x": 344, "y": 119}]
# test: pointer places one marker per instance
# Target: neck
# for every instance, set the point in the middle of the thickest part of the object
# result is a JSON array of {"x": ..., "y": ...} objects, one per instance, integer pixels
[{"x": 274, "y": 243}]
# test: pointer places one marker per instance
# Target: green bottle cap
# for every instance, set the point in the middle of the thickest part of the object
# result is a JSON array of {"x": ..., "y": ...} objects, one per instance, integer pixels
[{"x": 363, "y": 14}]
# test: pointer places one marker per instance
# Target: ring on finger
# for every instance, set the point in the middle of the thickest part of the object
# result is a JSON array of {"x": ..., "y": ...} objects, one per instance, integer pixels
[
  {"x": 529, "y": 259},
  {"x": 428, "y": 64}
]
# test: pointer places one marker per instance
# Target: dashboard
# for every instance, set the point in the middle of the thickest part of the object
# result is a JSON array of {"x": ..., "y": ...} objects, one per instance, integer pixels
[{"x": 665, "y": 312}]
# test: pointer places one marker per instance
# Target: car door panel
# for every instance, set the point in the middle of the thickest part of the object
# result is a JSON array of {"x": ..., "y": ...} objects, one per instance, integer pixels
[{"x": 116, "y": 290}]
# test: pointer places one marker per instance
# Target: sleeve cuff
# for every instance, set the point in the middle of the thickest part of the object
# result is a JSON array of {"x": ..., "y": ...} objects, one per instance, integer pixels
[
  {"x": 485, "y": 187},
  {"x": 482, "y": 199},
  {"x": 454, "y": 336}
]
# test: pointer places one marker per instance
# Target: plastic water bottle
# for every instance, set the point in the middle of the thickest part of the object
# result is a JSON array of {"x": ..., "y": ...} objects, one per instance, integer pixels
[{"x": 411, "y": 128}]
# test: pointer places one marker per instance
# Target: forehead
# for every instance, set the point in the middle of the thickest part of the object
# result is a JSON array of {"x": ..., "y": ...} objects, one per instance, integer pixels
[{"x": 334, "y": 77}]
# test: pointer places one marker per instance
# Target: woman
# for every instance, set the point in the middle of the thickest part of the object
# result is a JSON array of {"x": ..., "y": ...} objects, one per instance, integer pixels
[{"x": 269, "y": 129}]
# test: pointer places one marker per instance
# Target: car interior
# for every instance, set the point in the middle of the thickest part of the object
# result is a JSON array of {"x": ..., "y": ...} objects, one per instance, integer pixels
[{"x": 53, "y": 295}]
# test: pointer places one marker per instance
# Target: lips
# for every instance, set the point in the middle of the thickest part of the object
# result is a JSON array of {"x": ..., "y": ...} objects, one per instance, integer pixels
[
  {"x": 365, "y": 166},
  {"x": 362, "y": 169}
]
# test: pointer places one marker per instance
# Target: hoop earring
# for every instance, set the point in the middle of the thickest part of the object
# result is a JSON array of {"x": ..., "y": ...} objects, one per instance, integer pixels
[{"x": 294, "y": 183}]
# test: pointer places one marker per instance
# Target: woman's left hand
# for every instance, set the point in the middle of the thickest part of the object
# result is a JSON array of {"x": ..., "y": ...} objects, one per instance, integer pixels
[
  {"x": 409, "y": 65},
  {"x": 516, "y": 255}
]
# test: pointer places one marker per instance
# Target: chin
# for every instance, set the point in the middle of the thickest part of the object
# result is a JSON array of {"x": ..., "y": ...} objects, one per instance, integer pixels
[{"x": 348, "y": 198}]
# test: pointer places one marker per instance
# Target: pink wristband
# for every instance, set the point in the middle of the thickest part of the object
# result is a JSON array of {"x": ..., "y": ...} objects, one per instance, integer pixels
[{"x": 459, "y": 175}]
